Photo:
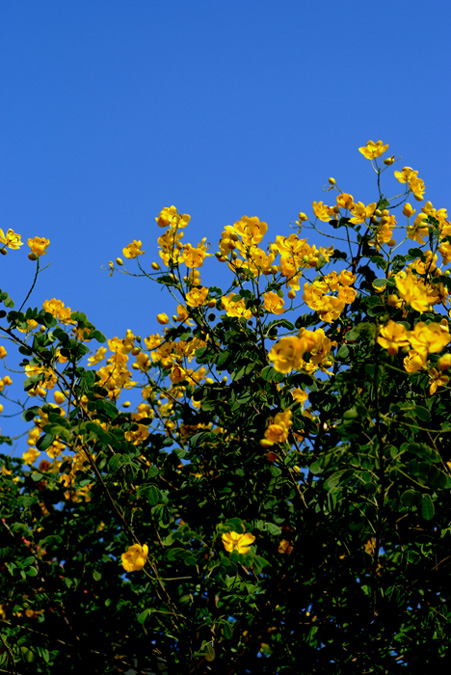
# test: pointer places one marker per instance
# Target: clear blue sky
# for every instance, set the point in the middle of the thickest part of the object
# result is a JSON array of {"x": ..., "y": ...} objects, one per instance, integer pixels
[{"x": 112, "y": 110}]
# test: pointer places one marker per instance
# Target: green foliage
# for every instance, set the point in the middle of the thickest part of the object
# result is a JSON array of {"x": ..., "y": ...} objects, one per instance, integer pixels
[{"x": 331, "y": 477}]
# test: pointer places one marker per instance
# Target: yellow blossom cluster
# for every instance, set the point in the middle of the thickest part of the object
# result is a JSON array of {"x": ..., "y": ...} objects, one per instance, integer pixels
[
  {"x": 424, "y": 339},
  {"x": 416, "y": 292},
  {"x": 278, "y": 429},
  {"x": 288, "y": 353},
  {"x": 57, "y": 309},
  {"x": 320, "y": 297},
  {"x": 416, "y": 185},
  {"x": 235, "y": 306}
]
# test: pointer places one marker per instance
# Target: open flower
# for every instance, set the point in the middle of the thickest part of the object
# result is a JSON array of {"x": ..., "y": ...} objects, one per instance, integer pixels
[
  {"x": 10, "y": 239},
  {"x": 373, "y": 150},
  {"x": 38, "y": 245},
  {"x": 135, "y": 558},
  {"x": 237, "y": 542},
  {"x": 133, "y": 250}
]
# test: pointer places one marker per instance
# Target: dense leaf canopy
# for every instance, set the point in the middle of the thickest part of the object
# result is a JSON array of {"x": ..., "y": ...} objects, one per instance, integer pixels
[{"x": 275, "y": 495}]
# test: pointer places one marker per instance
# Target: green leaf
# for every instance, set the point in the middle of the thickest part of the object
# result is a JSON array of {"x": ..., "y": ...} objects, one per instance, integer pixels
[
  {"x": 143, "y": 616},
  {"x": 427, "y": 507},
  {"x": 153, "y": 495}
]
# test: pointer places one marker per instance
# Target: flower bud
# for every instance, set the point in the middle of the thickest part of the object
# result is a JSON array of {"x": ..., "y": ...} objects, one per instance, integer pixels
[
  {"x": 155, "y": 266},
  {"x": 332, "y": 181},
  {"x": 3, "y": 251},
  {"x": 32, "y": 256},
  {"x": 389, "y": 161},
  {"x": 59, "y": 397},
  {"x": 392, "y": 300},
  {"x": 444, "y": 362},
  {"x": 408, "y": 210},
  {"x": 163, "y": 319},
  {"x": 119, "y": 261}
]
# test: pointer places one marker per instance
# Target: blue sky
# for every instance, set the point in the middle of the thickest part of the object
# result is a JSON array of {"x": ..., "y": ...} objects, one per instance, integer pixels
[{"x": 112, "y": 110}]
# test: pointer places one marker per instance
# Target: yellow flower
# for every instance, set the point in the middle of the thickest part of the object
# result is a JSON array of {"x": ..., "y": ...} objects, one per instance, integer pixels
[
  {"x": 3, "y": 352},
  {"x": 133, "y": 250},
  {"x": 429, "y": 338},
  {"x": 38, "y": 245},
  {"x": 416, "y": 185},
  {"x": 11, "y": 239},
  {"x": 170, "y": 216},
  {"x": 414, "y": 362},
  {"x": 345, "y": 201},
  {"x": 373, "y": 150},
  {"x": 30, "y": 456},
  {"x": 237, "y": 542},
  {"x": 444, "y": 362},
  {"x": 287, "y": 354},
  {"x": 437, "y": 379},
  {"x": 273, "y": 303},
  {"x": 323, "y": 212},
  {"x": 142, "y": 362},
  {"x": 197, "y": 296},
  {"x": 285, "y": 547},
  {"x": 58, "y": 310},
  {"x": 59, "y": 397},
  {"x": 361, "y": 212},
  {"x": 135, "y": 557},
  {"x": 392, "y": 336},
  {"x": 404, "y": 175},
  {"x": 408, "y": 210},
  {"x": 194, "y": 257},
  {"x": 251, "y": 230},
  {"x": 299, "y": 395},
  {"x": 277, "y": 432},
  {"x": 138, "y": 435},
  {"x": 98, "y": 356},
  {"x": 413, "y": 291},
  {"x": 162, "y": 318},
  {"x": 236, "y": 308}
]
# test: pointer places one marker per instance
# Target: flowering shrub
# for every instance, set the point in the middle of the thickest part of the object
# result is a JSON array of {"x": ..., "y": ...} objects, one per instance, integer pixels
[{"x": 264, "y": 485}]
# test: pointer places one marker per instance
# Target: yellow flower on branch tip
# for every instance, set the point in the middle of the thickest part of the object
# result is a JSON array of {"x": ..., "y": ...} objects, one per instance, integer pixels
[
  {"x": 135, "y": 557},
  {"x": 241, "y": 543},
  {"x": 11, "y": 239},
  {"x": 133, "y": 250},
  {"x": 38, "y": 245},
  {"x": 373, "y": 150}
]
